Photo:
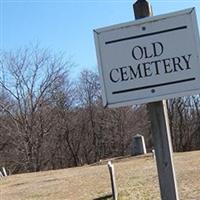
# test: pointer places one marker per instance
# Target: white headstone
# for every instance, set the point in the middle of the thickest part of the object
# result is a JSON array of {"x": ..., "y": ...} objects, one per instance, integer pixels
[
  {"x": 4, "y": 171},
  {"x": 139, "y": 146}
]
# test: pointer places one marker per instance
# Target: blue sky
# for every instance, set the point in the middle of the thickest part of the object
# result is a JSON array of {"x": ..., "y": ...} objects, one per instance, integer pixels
[{"x": 66, "y": 25}]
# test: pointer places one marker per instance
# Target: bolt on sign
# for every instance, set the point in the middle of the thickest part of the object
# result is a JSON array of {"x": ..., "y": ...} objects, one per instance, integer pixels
[{"x": 149, "y": 59}]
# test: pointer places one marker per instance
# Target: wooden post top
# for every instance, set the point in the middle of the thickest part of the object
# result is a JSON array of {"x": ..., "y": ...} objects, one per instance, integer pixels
[{"x": 142, "y": 8}]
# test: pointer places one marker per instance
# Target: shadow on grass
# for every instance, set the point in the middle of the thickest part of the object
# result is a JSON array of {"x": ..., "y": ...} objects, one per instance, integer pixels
[{"x": 107, "y": 197}]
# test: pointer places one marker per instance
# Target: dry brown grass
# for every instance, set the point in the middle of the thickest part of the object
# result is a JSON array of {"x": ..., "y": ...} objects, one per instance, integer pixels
[{"x": 136, "y": 180}]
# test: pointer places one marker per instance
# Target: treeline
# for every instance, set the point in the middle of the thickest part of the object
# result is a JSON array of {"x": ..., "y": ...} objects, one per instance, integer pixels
[{"x": 47, "y": 121}]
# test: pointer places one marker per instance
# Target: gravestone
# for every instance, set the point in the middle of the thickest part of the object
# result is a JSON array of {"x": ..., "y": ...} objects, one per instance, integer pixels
[{"x": 138, "y": 145}]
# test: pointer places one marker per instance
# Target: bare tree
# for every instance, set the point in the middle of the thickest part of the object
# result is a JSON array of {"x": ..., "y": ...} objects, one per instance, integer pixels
[
  {"x": 89, "y": 94},
  {"x": 32, "y": 75},
  {"x": 184, "y": 122}
]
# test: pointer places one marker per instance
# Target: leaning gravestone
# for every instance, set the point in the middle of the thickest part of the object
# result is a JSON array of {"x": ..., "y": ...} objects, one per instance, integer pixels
[{"x": 138, "y": 145}]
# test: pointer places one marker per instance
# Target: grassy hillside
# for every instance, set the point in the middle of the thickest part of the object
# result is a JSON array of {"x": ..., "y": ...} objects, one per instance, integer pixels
[{"x": 136, "y": 180}]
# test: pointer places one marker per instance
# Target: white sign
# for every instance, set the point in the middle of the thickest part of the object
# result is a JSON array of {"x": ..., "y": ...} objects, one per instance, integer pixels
[{"x": 149, "y": 59}]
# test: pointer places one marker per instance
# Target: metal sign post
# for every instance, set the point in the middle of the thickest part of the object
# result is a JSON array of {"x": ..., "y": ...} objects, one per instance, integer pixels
[
  {"x": 160, "y": 130},
  {"x": 113, "y": 181}
]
